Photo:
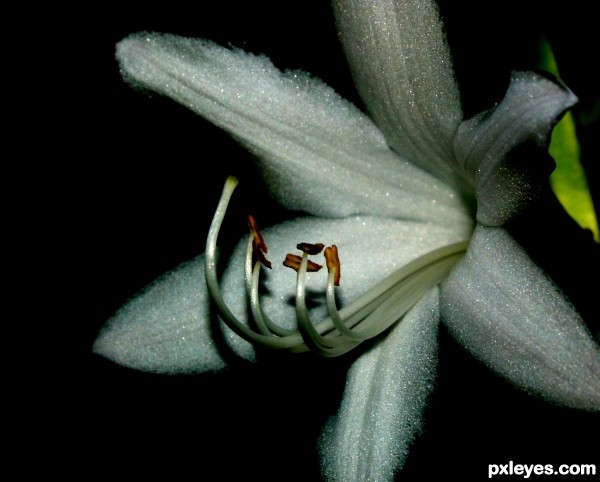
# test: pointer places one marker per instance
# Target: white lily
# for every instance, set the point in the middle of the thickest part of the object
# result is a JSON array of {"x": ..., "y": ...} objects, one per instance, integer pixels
[{"x": 388, "y": 189}]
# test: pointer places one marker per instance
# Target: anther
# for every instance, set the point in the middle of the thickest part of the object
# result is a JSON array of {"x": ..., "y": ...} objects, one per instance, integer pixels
[
  {"x": 333, "y": 263},
  {"x": 294, "y": 261},
  {"x": 310, "y": 248},
  {"x": 259, "y": 247}
]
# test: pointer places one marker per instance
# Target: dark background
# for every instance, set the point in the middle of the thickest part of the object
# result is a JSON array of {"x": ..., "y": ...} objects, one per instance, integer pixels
[{"x": 135, "y": 197}]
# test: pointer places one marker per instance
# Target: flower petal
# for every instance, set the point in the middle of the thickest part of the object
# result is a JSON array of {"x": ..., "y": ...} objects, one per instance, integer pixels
[
  {"x": 170, "y": 328},
  {"x": 403, "y": 71},
  {"x": 505, "y": 311},
  {"x": 318, "y": 153},
  {"x": 496, "y": 147},
  {"x": 386, "y": 392},
  {"x": 167, "y": 327}
]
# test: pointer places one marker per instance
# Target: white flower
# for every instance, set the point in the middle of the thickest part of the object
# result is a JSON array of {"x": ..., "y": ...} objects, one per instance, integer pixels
[{"x": 387, "y": 189}]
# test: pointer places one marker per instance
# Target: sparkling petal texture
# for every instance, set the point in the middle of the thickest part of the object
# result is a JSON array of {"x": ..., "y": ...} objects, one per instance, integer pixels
[
  {"x": 169, "y": 327},
  {"x": 386, "y": 392},
  {"x": 317, "y": 152},
  {"x": 403, "y": 71},
  {"x": 495, "y": 147},
  {"x": 505, "y": 311}
]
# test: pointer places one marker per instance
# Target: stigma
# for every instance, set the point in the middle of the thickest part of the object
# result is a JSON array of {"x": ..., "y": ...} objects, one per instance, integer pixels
[{"x": 341, "y": 330}]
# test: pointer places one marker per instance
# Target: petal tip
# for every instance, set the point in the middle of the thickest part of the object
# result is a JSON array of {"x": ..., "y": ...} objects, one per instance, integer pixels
[{"x": 503, "y": 309}]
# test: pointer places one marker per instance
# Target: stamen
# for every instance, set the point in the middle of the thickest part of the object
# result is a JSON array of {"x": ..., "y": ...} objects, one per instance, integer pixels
[
  {"x": 252, "y": 287},
  {"x": 313, "y": 339},
  {"x": 333, "y": 280},
  {"x": 259, "y": 246},
  {"x": 343, "y": 329}
]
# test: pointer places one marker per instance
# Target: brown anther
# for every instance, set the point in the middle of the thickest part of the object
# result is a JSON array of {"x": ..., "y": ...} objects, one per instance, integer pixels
[
  {"x": 333, "y": 263},
  {"x": 309, "y": 248},
  {"x": 259, "y": 247},
  {"x": 293, "y": 261}
]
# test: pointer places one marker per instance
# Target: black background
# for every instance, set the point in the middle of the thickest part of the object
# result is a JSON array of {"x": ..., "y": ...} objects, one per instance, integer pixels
[{"x": 134, "y": 197}]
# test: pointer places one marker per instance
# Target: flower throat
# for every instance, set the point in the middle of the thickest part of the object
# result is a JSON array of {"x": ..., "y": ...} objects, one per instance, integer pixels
[{"x": 342, "y": 330}]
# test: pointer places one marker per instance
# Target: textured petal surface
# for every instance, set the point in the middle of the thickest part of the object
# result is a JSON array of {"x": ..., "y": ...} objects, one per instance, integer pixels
[
  {"x": 504, "y": 310},
  {"x": 317, "y": 152},
  {"x": 402, "y": 67},
  {"x": 496, "y": 146},
  {"x": 169, "y": 327},
  {"x": 386, "y": 392}
]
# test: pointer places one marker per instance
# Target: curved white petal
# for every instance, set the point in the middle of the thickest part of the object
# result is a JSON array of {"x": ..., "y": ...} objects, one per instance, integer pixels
[
  {"x": 505, "y": 311},
  {"x": 491, "y": 146},
  {"x": 317, "y": 152},
  {"x": 386, "y": 393},
  {"x": 166, "y": 328},
  {"x": 169, "y": 327},
  {"x": 403, "y": 70}
]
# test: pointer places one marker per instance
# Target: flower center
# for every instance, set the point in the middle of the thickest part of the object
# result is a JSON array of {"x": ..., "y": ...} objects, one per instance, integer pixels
[{"x": 342, "y": 330}]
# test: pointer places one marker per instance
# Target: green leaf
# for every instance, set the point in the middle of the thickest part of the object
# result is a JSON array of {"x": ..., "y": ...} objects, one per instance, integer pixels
[{"x": 568, "y": 181}]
